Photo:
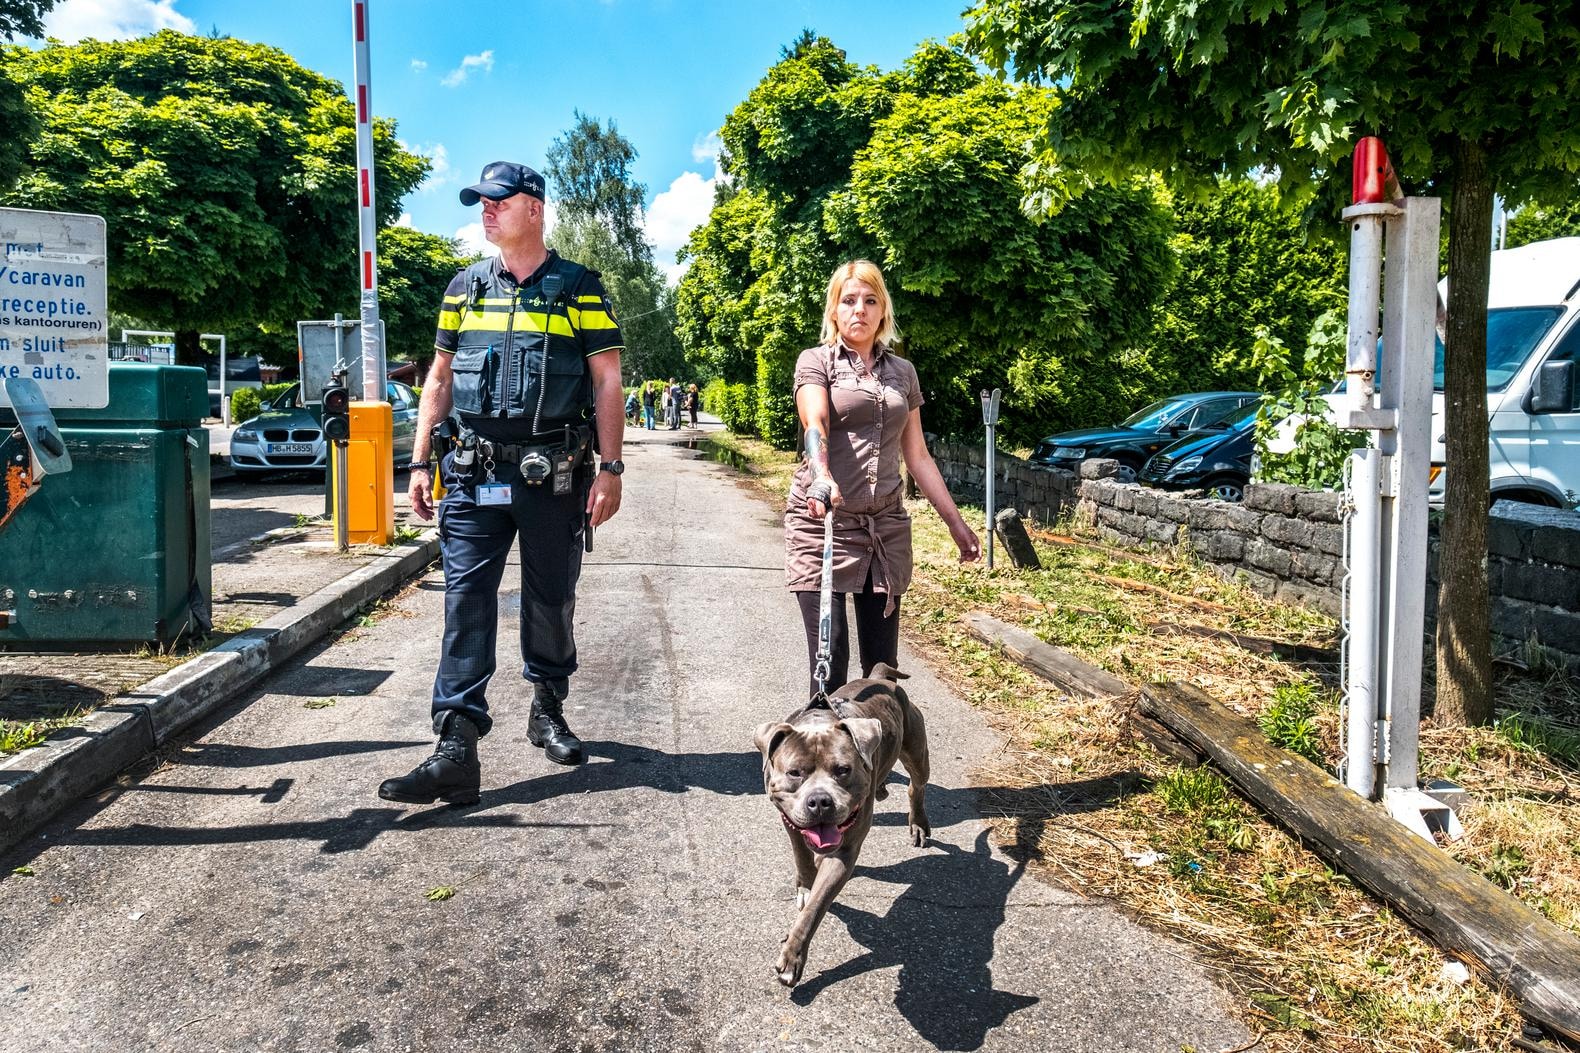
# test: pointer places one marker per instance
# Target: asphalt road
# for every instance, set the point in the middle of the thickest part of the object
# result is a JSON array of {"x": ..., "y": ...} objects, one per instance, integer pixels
[{"x": 254, "y": 894}]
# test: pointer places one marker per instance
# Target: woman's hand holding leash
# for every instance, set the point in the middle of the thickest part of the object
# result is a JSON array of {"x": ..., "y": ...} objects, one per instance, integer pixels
[{"x": 822, "y": 497}]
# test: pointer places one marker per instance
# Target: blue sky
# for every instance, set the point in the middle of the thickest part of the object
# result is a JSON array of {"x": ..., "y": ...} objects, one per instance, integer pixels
[{"x": 471, "y": 88}]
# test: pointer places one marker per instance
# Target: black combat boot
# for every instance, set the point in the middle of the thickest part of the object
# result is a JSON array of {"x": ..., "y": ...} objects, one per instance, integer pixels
[
  {"x": 452, "y": 774},
  {"x": 547, "y": 727}
]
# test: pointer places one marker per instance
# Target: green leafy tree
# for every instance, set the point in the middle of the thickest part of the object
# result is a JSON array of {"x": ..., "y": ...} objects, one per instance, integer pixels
[
  {"x": 1249, "y": 265},
  {"x": 919, "y": 169},
  {"x": 589, "y": 169},
  {"x": 600, "y": 225},
  {"x": 225, "y": 171},
  {"x": 414, "y": 268},
  {"x": 23, "y": 18},
  {"x": 1538, "y": 221},
  {"x": 1471, "y": 96},
  {"x": 1295, "y": 442},
  {"x": 17, "y": 18},
  {"x": 718, "y": 296},
  {"x": 21, "y": 127}
]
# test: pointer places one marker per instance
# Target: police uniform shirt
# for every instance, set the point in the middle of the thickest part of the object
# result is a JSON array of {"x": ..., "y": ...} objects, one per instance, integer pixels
[{"x": 587, "y": 308}]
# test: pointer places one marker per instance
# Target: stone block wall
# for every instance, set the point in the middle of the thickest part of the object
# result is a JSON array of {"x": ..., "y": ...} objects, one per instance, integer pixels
[
  {"x": 1533, "y": 571},
  {"x": 1287, "y": 552},
  {"x": 1288, "y": 543}
]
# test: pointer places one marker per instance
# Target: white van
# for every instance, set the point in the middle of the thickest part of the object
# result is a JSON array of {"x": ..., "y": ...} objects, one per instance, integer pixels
[{"x": 1533, "y": 402}]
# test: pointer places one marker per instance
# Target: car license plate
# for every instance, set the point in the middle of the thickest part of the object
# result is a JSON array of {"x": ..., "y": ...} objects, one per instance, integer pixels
[{"x": 290, "y": 447}]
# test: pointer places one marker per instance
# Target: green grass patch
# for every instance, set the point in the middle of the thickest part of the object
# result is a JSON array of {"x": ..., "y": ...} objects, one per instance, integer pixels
[
  {"x": 1526, "y": 731},
  {"x": 19, "y": 735},
  {"x": 1289, "y": 721}
]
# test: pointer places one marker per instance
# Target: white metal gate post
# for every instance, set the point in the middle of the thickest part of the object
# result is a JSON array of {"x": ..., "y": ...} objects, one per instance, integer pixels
[
  {"x": 1409, "y": 326},
  {"x": 990, "y": 418},
  {"x": 1365, "y": 700},
  {"x": 1358, "y": 409},
  {"x": 1386, "y": 599},
  {"x": 373, "y": 365}
]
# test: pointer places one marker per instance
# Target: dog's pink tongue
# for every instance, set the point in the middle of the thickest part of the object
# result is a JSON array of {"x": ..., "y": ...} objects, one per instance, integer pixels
[{"x": 824, "y": 836}]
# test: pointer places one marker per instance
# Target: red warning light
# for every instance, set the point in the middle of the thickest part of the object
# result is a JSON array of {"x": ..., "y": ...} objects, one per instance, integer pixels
[{"x": 1373, "y": 175}]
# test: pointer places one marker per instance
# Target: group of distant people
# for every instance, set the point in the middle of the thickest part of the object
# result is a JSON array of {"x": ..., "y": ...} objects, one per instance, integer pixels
[{"x": 655, "y": 396}]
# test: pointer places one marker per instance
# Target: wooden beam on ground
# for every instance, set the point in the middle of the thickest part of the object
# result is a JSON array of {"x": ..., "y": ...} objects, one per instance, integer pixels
[
  {"x": 1462, "y": 911},
  {"x": 1012, "y": 531},
  {"x": 1049, "y": 662},
  {"x": 1078, "y": 678},
  {"x": 1255, "y": 644}
]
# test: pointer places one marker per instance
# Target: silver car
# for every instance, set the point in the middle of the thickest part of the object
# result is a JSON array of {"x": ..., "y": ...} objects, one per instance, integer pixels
[{"x": 287, "y": 437}]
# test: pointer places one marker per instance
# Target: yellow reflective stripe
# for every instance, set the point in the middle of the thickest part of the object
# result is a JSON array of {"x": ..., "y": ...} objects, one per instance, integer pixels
[
  {"x": 526, "y": 323},
  {"x": 601, "y": 350},
  {"x": 455, "y": 301},
  {"x": 591, "y": 320},
  {"x": 590, "y": 299},
  {"x": 449, "y": 319}
]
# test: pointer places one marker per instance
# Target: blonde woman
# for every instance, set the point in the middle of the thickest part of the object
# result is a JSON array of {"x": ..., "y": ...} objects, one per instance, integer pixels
[{"x": 860, "y": 409}]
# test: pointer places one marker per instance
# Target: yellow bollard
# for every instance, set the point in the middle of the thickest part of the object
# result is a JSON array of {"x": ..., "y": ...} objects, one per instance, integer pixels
[{"x": 370, "y": 475}]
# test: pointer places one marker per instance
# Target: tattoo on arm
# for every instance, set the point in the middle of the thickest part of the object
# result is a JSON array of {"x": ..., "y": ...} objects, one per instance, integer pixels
[{"x": 816, "y": 451}]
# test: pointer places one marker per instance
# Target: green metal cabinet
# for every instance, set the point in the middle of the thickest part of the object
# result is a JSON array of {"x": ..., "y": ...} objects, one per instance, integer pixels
[{"x": 117, "y": 549}]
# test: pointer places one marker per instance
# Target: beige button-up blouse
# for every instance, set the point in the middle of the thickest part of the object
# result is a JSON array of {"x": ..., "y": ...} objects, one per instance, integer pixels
[{"x": 872, "y": 530}]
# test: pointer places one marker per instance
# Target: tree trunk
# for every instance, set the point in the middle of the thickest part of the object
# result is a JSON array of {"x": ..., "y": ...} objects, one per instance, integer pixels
[{"x": 1464, "y": 643}]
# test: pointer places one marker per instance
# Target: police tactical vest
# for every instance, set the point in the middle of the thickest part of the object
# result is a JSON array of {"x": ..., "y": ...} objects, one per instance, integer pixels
[{"x": 518, "y": 355}]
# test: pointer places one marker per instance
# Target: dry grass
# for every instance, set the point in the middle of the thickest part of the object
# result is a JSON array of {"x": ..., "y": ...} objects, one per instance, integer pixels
[{"x": 1314, "y": 962}]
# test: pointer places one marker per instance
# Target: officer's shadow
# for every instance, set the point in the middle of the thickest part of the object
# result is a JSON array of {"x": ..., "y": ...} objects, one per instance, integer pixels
[
  {"x": 622, "y": 766},
  {"x": 939, "y": 931}
]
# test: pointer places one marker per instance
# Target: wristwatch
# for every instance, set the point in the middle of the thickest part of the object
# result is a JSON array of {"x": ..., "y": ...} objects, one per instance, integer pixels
[
  {"x": 424, "y": 465},
  {"x": 612, "y": 467}
]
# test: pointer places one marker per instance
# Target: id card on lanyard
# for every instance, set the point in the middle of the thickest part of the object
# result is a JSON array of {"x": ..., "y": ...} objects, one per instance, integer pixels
[{"x": 493, "y": 494}]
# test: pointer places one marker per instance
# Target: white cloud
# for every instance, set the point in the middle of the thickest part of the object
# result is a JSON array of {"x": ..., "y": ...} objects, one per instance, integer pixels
[
  {"x": 674, "y": 214},
  {"x": 456, "y": 77},
  {"x": 404, "y": 220},
  {"x": 418, "y": 64},
  {"x": 707, "y": 149},
  {"x": 471, "y": 238},
  {"x": 74, "y": 20},
  {"x": 441, "y": 172}
]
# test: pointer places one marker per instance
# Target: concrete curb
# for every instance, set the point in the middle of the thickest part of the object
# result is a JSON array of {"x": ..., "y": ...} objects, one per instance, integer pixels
[{"x": 37, "y": 783}]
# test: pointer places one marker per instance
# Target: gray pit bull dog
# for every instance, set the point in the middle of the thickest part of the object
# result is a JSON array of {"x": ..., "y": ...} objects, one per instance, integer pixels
[{"x": 824, "y": 768}]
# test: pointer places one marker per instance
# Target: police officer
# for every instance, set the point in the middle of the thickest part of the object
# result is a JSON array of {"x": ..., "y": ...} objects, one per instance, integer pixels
[{"x": 527, "y": 348}]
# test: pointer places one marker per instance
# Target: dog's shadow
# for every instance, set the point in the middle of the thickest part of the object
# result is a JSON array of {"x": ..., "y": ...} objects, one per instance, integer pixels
[{"x": 939, "y": 931}]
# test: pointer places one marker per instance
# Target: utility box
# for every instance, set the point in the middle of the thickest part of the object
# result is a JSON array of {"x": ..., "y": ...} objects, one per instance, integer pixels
[
  {"x": 116, "y": 551},
  {"x": 370, "y": 475}
]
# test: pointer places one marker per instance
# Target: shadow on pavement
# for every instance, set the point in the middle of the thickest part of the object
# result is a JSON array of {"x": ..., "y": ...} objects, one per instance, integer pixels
[
  {"x": 223, "y": 755},
  {"x": 940, "y": 933},
  {"x": 349, "y": 833},
  {"x": 625, "y": 767}
]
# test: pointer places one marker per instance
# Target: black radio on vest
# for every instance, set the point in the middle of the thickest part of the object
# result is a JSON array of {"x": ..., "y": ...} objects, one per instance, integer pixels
[{"x": 518, "y": 354}]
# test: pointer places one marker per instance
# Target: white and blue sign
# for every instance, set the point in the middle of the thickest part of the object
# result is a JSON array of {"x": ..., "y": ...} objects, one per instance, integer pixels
[{"x": 54, "y": 314}]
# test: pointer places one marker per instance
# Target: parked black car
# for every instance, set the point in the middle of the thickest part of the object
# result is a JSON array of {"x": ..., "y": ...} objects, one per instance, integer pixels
[
  {"x": 1142, "y": 434},
  {"x": 1216, "y": 458}
]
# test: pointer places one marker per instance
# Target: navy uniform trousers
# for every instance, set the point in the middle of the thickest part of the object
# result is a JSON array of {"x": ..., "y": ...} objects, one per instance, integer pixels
[{"x": 475, "y": 543}]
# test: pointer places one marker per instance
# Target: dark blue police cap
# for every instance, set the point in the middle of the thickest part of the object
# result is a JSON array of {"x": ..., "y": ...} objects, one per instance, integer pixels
[{"x": 501, "y": 179}]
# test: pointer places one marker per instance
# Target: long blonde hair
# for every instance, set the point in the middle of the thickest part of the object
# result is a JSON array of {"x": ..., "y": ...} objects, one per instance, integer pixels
[{"x": 861, "y": 271}]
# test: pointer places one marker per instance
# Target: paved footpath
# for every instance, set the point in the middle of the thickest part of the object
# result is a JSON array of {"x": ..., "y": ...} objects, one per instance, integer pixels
[{"x": 253, "y": 893}]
